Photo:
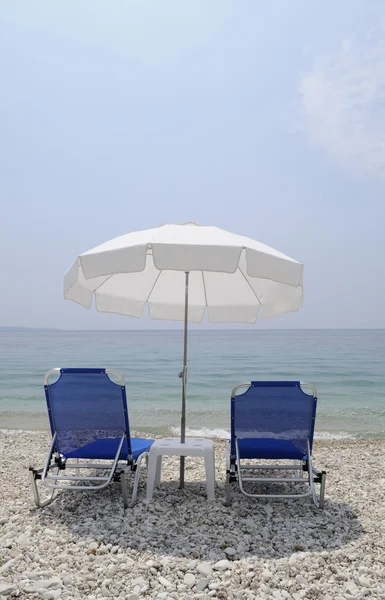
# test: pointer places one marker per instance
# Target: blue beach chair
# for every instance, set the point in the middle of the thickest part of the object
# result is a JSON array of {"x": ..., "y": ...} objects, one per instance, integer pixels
[
  {"x": 273, "y": 421},
  {"x": 90, "y": 434}
]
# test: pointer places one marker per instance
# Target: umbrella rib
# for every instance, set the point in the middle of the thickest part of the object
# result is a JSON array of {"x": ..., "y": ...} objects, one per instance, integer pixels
[
  {"x": 204, "y": 288},
  {"x": 250, "y": 286},
  {"x": 152, "y": 289},
  {"x": 103, "y": 282}
]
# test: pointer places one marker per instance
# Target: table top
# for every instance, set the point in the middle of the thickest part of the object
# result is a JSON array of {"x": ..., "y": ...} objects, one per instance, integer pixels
[{"x": 189, "y": 443}]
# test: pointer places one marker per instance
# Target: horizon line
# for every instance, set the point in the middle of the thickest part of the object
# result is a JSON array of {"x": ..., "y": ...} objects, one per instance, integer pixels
[{"x": 194, "y": 328}]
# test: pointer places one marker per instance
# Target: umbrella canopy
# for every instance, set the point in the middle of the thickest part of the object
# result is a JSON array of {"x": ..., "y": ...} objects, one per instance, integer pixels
[
  {"x": 179, "y": 271},
  {"x": 235, "y": 278}
]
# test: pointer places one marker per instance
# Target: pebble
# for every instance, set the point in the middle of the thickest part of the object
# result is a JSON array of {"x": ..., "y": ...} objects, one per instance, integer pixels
[
  {"x": 54, "y": 595},
  {"x": 364, "y": 581},
  {"x": 85, "y": 545},
  {"x": 214, "y": 586},
  {"x": 6, "y": 588},
  {"x": 205, "y": 569},
  {"x": 201, "y": 585},
  {"x": 223, "y": 565},
  {"x": 93, "y": 546},
  {"x": 8, "y": 565},
  {"x": 138, "y": 581},
  {"x": 53, "y": 583},
  {"x": 266, "y": 575},
  {"x": 189, "y": 580},
  {"x": 301, "y": 580}
]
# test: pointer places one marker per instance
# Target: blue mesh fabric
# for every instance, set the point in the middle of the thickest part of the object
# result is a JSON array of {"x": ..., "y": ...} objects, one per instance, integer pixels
[
  {"x": 272, "y": 411},
  {"x": 108, "y": 447},
  {"x": 85, "y": 406}
]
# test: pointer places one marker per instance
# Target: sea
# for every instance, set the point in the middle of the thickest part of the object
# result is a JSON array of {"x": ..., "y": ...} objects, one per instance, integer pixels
[{"x": 347, "y": 367}]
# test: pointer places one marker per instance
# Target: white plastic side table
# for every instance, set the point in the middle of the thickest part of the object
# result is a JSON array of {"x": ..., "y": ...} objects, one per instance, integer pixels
[{"x": 174, "y": 447}]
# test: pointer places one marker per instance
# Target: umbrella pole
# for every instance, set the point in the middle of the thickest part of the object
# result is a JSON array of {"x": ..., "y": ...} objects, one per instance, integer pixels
[{"x": 184, "y": 382}]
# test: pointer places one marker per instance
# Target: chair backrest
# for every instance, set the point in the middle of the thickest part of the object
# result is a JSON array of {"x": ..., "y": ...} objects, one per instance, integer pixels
[
  {"x": 274, "y": 409},
  {"x": 85, "y": 405}
]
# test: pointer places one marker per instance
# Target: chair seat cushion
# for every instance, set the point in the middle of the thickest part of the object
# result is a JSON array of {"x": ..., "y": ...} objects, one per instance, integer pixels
[
  {"x": 270, "y": 448},
  {"x": 107, "y": 448}
]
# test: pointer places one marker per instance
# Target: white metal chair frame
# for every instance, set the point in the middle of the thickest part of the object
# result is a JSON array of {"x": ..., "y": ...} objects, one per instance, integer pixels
[
  {"x": 114, "y": 471},
  {"x": 234, "y": 470}
]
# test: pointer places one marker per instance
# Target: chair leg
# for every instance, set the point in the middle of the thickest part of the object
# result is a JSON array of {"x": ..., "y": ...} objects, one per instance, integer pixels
[
  {"x": 123, "y": 482},
  {"x": 228, "y": 475},
  {"x": 36, "y": 495},
  {"x": 136, "y": 480},
  {"x": 229, "y": 498},
  {"x": 311, "y": 476},
  {"x": 300, "y": 465},
  {"x": 322, "y": 490}
]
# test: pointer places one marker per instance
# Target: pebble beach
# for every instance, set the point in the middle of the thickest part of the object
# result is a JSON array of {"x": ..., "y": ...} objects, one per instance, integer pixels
[{"x": 85, "y": 545}]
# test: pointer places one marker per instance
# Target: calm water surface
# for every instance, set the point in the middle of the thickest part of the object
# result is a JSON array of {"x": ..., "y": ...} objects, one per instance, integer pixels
[{"x": 347, "y": 368}]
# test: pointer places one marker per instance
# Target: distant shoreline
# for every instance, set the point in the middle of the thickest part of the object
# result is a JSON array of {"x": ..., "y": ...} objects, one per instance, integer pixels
[
  {"x": 193, "y": 327},
  {"x": 24, "y": 329}
]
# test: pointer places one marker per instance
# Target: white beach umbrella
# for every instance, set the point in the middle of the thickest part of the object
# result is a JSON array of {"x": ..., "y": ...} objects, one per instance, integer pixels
[{"x": 179, "y": 271}]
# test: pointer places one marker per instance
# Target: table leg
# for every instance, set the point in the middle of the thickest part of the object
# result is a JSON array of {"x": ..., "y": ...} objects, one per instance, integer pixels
[
  {"x": 209, "y": 457},
  {"x": 158, "y": 474},
  {"x": 151, "y": 474}
]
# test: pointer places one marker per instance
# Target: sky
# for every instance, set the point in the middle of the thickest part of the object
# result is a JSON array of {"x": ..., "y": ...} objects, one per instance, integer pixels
[{"x": 263, "y": 118}]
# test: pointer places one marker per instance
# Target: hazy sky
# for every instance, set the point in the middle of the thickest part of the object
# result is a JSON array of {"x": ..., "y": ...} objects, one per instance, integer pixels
[{"x": 264, "y": 118}]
